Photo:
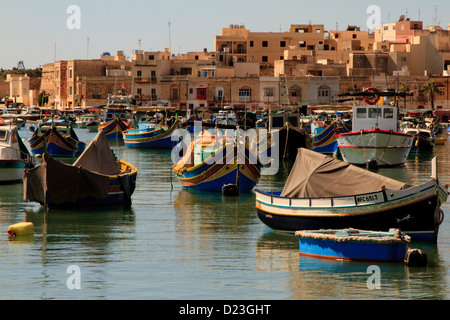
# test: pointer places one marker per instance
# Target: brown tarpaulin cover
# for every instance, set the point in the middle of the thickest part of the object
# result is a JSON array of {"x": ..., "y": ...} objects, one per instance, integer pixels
[
  {"x": 88, "y": 177},
  {"x": 316, "y": 175}
]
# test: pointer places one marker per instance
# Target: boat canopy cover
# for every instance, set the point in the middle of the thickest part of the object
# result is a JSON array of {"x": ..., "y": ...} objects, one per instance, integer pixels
[
  {"x": 64, "y": 183},
  {"x": 98, "y": 157},
  {"x": 315, "y": 175}
]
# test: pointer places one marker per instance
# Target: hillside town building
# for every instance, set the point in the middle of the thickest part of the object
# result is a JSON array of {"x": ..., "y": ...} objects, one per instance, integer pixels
[{"x": 303, "y": 66}]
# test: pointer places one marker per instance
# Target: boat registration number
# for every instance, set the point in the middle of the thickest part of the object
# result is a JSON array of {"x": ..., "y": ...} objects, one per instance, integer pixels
[{"x": 367, "y": 198}]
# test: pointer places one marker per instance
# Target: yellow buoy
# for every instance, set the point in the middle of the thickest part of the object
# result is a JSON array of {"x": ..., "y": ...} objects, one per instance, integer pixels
[{"x": 20, "y": 229}]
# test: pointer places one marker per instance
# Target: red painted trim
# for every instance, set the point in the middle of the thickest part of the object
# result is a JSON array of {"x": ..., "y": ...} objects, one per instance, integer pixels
[
  {"x": 366, "y": 147},
  {"x": 376, "y": 130}
]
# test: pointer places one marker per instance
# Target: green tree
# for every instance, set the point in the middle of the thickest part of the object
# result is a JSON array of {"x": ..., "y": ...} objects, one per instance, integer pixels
[
  {"x": 432, "y": 90},
  {"x": 404, "y": 89},
  {"x": 42, "y": 99}
]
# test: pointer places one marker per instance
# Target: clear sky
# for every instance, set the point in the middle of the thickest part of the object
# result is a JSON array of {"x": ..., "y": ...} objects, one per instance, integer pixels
[{"x": 30, "y": 30}]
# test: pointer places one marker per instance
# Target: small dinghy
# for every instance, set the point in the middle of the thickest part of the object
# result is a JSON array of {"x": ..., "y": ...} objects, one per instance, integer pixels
[{"x": 354, "y": 245}]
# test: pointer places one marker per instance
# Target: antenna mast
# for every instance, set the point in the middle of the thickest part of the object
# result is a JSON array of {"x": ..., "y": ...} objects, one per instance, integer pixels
[{"x": 170, "y": 39}]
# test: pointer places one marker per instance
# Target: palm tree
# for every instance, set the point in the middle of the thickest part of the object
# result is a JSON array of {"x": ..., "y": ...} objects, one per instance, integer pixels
[
  {"x": 432, "y": 90},
  {"x": 404, "y": 89}
]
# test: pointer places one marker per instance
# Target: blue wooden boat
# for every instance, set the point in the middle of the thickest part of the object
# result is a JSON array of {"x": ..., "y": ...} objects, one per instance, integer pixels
[
  {"x": 209, "y": 164},
  {"x": 56, "y": 138},
  {"x": 95, "y": 179},
  {"x": 150, "y": 138},
  {"x": 322, "y": 192},
  {"x": 354, "y": 245},
  {"x": 324, "y": 138},
  {"x": 116, "y": 122}
]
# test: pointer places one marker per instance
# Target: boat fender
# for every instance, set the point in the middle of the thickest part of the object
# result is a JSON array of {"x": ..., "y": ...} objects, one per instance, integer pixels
[
  {"x": 372, "y": 164},
  {"x": 416, "y": 258},
  {"x": 20, "y": 229},
  {"x": 439, "y": 216}
]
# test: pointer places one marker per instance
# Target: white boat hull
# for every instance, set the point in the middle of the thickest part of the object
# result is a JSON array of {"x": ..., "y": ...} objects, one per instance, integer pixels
[{"x": 387, "y": 148}]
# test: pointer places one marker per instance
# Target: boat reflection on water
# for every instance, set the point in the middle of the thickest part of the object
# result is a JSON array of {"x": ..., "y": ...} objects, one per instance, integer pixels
[
  {"x": 211, "y": 212},
  {"x": 312, "y": 278}
]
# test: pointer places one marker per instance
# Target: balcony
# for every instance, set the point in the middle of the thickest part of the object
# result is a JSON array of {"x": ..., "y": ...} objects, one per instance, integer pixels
[{"x": 142, "y": 80}]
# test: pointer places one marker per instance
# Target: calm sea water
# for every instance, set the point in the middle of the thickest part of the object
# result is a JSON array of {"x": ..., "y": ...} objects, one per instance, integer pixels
[{"x": 176, "y": 244}]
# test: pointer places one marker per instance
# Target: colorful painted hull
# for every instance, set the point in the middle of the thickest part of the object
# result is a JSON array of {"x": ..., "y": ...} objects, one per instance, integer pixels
[
  {"x": 150, "y": 138},
  {"x": 211, "y": 175},
  {"x": 415, "y": 211},
  {"x": 55, "y": 144},
  {"x": 325, "y": 141},
  {"x": 114, "y": 129},
  {"x": 387, "y": 148},
  {"x": 354, "y": 245}
]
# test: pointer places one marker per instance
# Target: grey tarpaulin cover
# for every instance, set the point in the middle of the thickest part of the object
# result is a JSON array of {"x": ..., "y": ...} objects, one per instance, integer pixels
[
  {"x": 88, "y": 177},
  {"x": 316, "y": 175}
]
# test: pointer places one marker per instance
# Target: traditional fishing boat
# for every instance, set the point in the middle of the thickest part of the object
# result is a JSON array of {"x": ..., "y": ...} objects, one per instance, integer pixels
[
  {"x": 155, "y": 138},
  {"x": 354, "y": 245},
  {"x": 14, "y": 155},
  {"x": 57, "y": 138},
  {"x": 211, "y": 162},
  {"x": 375, "y": 138},
  {"x": 96, "y": 178},
  {"x": 324, "y": 138},
  {"x": 322, "y": 192},
  {"x": 117, "y": 115},
  {"x": 116, "y": 122},
  {"x": 288, "y": 134}
]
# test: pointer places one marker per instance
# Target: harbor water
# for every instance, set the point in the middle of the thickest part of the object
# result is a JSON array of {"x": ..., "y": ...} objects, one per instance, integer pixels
[{"x": 176, "y": 244}]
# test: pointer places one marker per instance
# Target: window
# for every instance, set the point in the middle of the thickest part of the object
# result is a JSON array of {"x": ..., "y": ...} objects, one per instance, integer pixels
[
  {"x": 174, "y": 93},
  {"x": 201, "y": 94},
  {"x": 388, "y": 113},
  {"x": 139, "y": 91},
  {"x": 269, "y": 92},
  {"x": 219, "y": 94},
  {"x": 204, "y": 73},
  {"x": 302, "y": 44},
  {"x": 265, "y": 59},
  {"x": 151, "y": 57},
  {"x": 354, "y": 36},
  {"x": 70, "y": 73},
  {"x": 374, "y": 113},
  {"x": 265, "y": 43},
  {"x": 282, "y": 44},
  {"x": 361, "y": 113},
  {"x": 139, "y": 73},
  {"x": 3, "y": 135},
  {"x": 245, "y": 94},
  {"x": 251, "y": 43},
  {"x": 323, "y": 91}
]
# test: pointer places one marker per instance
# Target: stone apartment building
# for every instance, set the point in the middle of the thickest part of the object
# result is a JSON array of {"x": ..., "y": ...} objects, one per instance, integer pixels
[
  {"x": 306, "y": 65},
  {"x": 84, "y": 83}
]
